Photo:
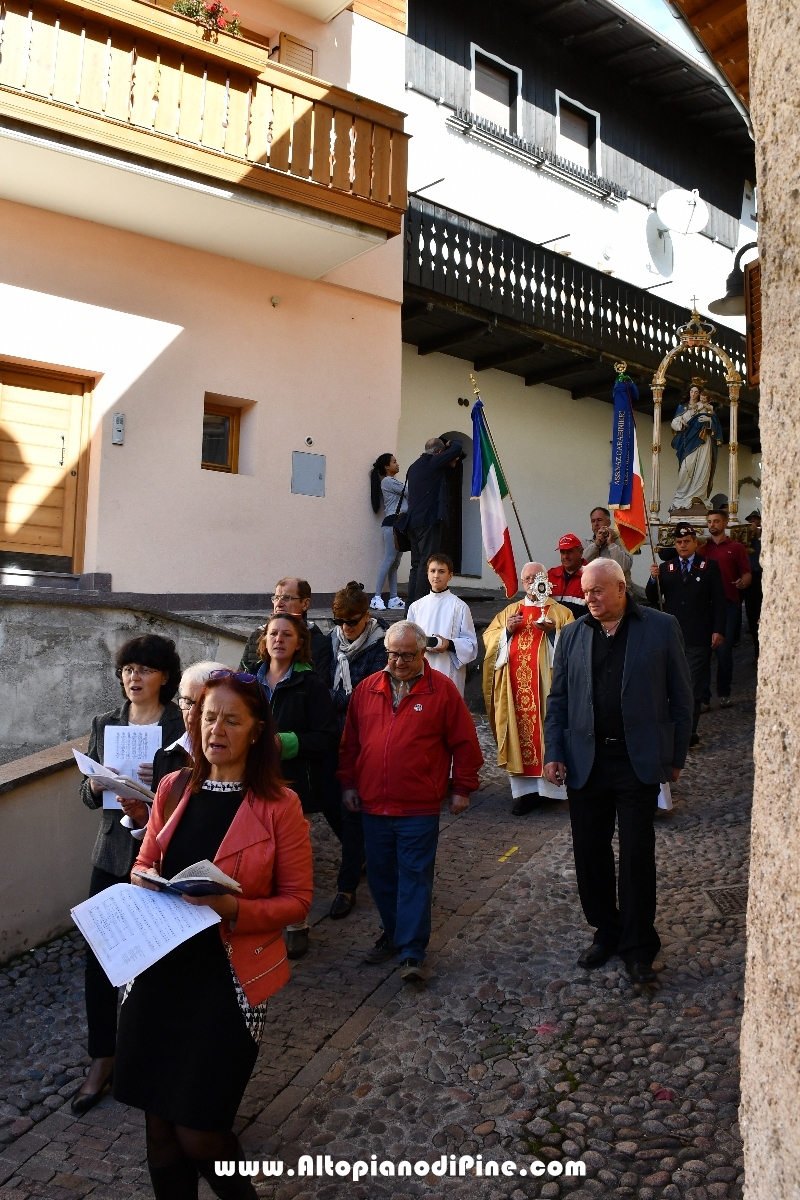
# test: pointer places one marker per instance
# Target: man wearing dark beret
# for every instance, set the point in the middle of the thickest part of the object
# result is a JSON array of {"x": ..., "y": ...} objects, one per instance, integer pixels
[{"x": 693, "y": 592}]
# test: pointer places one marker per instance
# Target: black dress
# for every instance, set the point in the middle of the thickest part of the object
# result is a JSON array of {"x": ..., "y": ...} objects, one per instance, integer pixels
[{"x": 188, "y": 1038}]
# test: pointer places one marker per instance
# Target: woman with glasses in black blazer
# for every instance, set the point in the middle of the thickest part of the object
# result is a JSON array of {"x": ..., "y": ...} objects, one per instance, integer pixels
[{"x": 148, "y": 669}]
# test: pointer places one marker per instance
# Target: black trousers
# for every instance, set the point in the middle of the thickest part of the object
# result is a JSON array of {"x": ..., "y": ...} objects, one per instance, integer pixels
[
  {"x": 699, "y": 660},
  {"x": 614, "y": 793},
  {"x": 349, "y": 829},
  {"x": 425, "y": 541},
  {"x": 101, "y": 996},
  {"x": 753, "y": 597}
]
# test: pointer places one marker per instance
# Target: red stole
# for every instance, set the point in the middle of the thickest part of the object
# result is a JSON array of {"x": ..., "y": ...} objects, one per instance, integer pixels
[{"x": 523, "y": 663}]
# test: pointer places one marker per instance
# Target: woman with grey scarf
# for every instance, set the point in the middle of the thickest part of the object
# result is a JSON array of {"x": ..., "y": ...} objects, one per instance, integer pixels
[{"x": 358, "y": 651}]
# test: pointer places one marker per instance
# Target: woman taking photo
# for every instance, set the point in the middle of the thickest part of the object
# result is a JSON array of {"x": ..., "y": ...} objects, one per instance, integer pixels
[
  {"x": 191, "y": 1024},
  {"x": 307, "y": 729},
  {"x": 149, "y": 670},
  {"x": 386, "y": 489},
  {"x": 358, "y": 651}
]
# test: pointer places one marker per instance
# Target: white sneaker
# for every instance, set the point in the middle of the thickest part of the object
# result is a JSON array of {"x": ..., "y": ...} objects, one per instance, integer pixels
[
  {"x": 396, "y": 602},
  {"x": 377, "y": 602}
]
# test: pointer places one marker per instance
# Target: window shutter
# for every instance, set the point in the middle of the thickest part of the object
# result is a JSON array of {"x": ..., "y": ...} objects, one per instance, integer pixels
[
  {"x": 493, "y": 94},
  {"x": 576, "y": 135},
  {"x": 752, "y": 310},
  {"x": 294, "y": 53}
]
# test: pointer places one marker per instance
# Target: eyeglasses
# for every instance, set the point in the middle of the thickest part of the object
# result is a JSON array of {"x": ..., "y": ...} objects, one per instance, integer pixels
[
  {"x": 283, "y": 596},
  {"x": 185, "y": 702},
  {"x": 404, "y": 658},
  {"x": 348, "y": 622},
  {"x": 135, "y": 669}
]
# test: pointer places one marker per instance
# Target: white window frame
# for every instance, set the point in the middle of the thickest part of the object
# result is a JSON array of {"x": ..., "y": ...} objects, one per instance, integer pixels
[
  {"x": 590, "y": 112},
  {"x": 516, "y": 107}
]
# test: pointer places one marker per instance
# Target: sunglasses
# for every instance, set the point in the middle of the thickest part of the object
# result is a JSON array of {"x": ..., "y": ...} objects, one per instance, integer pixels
[
  {"x": 244, "y": 677},
  {"x": 348, "y": 622}
]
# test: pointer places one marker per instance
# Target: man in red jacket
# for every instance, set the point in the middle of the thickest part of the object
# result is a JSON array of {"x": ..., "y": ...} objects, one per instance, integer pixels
[
  {"x": 734, "y": 564},
  {"x": 406, "y": 728}
]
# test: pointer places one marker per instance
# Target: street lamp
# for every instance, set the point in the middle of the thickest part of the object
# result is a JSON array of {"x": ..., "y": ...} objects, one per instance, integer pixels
[{"x": 732, "y": 303}]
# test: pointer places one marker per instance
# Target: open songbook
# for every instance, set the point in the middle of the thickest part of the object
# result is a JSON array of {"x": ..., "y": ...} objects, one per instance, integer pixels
[
  {"x": 112, "y": 781},
  {"x": 201, "y": 879}
]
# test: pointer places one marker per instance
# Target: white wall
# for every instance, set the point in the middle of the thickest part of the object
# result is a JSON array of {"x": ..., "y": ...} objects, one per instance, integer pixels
[
  {"x": 487, "y": 185},
  {"x": 160, "y": 325},
  {"x": 556, "y": 451}
]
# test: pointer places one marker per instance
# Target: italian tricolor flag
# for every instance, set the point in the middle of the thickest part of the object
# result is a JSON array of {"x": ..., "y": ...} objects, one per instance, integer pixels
[
  {"x": 489, "y": 486},
  {"x": 631, "y": 522},
  {"x": 626, "y": 494}
]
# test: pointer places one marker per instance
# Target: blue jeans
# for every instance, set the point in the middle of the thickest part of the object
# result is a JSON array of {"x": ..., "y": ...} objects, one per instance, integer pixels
[
  {"x": 724, "y": 654},
  {"x": 389, "y": 564},
  {"x": 401, "y": 852}
]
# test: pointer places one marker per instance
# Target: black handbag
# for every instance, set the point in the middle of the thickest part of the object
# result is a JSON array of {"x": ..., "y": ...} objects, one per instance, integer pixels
[{"x": 402, "y": 541}]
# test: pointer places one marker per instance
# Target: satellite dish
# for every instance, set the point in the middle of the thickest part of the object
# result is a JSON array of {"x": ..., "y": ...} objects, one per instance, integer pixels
[
  {"x": 659, "y": 243},
  {"x": 683, "y": 212}
]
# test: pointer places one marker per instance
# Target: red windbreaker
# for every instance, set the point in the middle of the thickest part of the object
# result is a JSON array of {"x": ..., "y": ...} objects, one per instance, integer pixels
[{"x": 400, "y": 761}]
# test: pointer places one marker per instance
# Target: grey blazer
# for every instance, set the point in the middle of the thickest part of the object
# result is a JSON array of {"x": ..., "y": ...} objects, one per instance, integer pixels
[
  {"x": 656, "y": 699},
  {"x": 115, "y": 850}
]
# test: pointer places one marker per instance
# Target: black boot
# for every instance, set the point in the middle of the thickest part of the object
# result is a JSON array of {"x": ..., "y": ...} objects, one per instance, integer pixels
[
  {"x": 228, "y": 1187},
  {"x": 178, "y": 1181}
]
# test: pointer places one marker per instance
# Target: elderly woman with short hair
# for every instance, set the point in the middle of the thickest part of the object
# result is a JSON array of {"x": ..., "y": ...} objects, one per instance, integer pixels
[
  {"x": 148, "y": 669},
  {"x": 178, "y": 754}
]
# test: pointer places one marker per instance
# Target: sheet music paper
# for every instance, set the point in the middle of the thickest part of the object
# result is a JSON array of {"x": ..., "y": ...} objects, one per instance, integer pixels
[
  {"x": 124, "y": 747},
  {"x": 130, "y": 928},
  {"x": 122, "y": 786}
]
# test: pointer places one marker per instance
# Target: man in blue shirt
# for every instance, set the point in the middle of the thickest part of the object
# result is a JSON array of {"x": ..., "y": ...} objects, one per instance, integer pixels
[{"x": 427, "y": 508}]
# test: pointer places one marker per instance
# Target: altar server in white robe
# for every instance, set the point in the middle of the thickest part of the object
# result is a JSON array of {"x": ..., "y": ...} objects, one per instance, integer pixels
[{"x": 447, "y": 618}]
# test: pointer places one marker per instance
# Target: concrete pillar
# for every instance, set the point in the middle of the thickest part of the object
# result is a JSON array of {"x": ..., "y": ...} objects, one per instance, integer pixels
[{"x": 770, "y": 1114}]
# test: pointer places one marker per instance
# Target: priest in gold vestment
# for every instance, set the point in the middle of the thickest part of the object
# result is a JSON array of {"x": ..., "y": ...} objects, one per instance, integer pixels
[{"x": 520, "y": 643}]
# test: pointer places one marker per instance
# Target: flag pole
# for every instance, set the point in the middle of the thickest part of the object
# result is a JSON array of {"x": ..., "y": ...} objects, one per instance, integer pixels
[
  {"x": 621, "y": 369},
  {"x": 497, "y": 456}
]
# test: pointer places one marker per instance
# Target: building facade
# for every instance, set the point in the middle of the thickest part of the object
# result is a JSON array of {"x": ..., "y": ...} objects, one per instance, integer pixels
[
  {"x": 543, "y": 137},
  {"x": 200, "y": 287}
]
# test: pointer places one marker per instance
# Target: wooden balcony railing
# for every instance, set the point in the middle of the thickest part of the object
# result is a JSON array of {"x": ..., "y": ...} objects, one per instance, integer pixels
[
  {"x": 135, "y": 77},
  {"x": 570, "y": 304}
]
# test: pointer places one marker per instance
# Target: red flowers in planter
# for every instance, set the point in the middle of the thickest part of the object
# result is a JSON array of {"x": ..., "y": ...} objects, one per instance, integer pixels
[{"x": 211, "y": 14}]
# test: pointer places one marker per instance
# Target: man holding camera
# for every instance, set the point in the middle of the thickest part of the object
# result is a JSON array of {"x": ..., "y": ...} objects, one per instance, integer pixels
[
  {"x": 604, "y": 543},
  {"x": 447, "y": 620}
]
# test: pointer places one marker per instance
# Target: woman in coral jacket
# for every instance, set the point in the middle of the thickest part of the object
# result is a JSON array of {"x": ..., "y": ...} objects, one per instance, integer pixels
[{"x": 191, "y": 1024}]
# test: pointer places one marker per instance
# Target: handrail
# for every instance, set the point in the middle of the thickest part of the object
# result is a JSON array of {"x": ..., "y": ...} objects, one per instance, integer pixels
[
  {"x": 137, "y": 77},
  {"x": 165, "y": 25},
  {"x": 577, "y": 305}
]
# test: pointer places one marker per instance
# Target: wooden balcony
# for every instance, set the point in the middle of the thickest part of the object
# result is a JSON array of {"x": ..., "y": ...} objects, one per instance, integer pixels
[
  {"x": 498, "y": 301},
  {"x": 139, "y": 79}
]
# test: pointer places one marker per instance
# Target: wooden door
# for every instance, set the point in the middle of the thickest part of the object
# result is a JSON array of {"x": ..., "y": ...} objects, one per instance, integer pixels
[{"x": 43, "y": 434}]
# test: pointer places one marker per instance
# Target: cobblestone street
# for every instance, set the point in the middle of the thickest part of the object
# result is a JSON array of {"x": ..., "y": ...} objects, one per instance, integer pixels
[{"x": 509, "y": 1050}]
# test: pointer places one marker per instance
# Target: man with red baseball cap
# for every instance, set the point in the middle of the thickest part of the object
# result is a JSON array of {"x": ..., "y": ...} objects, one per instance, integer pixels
[{"x": 566, "y": 579}]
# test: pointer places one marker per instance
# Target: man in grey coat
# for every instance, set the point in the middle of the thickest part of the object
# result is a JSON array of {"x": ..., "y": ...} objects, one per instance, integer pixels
[{"x": 619, "y": 718}]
